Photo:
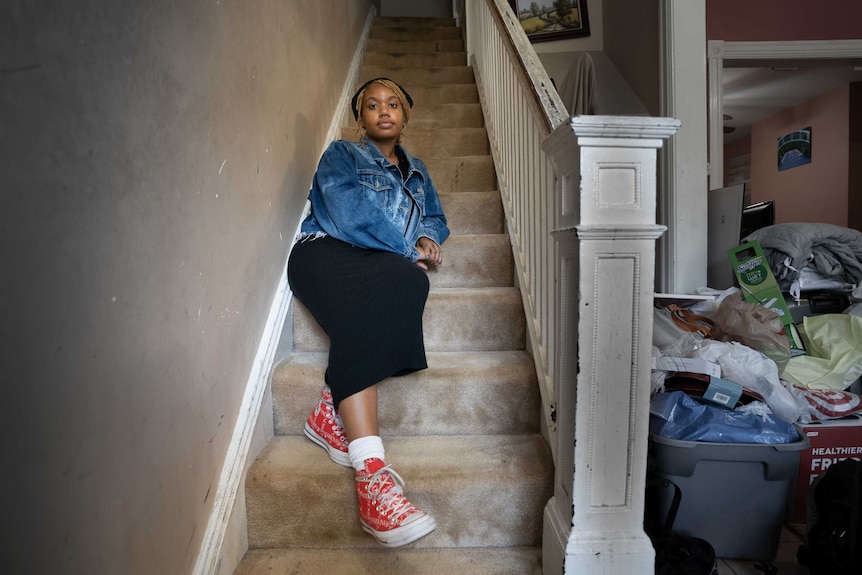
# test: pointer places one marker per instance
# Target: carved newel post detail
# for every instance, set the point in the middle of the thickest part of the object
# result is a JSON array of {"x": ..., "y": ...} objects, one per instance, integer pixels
[{"x": 606, "y": 234}]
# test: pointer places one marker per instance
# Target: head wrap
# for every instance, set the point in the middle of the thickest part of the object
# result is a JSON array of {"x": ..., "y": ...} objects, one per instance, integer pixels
[{"x": 355, "y": 100}]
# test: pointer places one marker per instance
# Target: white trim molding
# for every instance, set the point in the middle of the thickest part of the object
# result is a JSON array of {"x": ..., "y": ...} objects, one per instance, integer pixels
[
  {"x": 233, "y": 470},
  {"x": 683, "y": 179},
  {"x": 758, "y": 53}
]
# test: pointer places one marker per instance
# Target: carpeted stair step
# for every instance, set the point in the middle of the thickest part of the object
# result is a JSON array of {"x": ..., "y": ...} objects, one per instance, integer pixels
[
  {"x": 471, "y": 561},
  {"x": 473, "y": 212},
  {"x": 412, "y": 45},
  {"x": 475, "y": 261},
  {"x": 400, "y": 32},
  {"x": 410, "y": 77},
  {"x": 459, "y": 394},
  {"x": 468, "y": 319},
  {"x": 423, "y": 94},
  {"x": 410, "y": 22},
  {"x": 463, "y": 174},
  {"x": 429, "y": 60},
  {"x": 483, "y": 491},
  {"x": 437, "y": 116},
  {"x": 447, "y": 142}
]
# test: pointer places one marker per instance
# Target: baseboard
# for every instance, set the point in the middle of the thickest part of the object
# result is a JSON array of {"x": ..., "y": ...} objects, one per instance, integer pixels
[{"x": 230, "y": 481}]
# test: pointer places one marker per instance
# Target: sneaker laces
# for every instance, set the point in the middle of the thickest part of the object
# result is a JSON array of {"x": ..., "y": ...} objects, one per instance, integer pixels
[
  {"x": 392, "y": 501},
  {"x": 331, "y": 416}
]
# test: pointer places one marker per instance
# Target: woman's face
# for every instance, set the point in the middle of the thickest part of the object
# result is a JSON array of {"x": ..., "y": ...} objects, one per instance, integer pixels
[{"x": 381, "y": 114}]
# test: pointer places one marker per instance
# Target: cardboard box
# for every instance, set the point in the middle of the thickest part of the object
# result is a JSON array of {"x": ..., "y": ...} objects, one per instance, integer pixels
[
  {"x": 831, "y": 441},
  {"x": 758, "y": 285},
  {"x": 722, "y": 392}
]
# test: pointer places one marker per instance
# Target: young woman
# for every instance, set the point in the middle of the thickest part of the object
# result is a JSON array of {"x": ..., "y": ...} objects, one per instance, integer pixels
[{"x": 359, "y": 267}]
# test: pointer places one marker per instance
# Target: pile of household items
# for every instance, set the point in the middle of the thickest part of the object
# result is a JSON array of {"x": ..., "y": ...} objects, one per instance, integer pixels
[{"x": 756, "y": 394}]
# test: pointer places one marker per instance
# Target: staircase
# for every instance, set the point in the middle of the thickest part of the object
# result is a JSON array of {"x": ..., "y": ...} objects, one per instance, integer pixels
[{"x": 464, "y": 433}]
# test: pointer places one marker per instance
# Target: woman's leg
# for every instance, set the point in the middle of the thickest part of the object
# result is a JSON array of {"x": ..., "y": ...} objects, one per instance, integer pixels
[
  {"x": 384, "y": 511},
  {"x": 359, "y": 414}
]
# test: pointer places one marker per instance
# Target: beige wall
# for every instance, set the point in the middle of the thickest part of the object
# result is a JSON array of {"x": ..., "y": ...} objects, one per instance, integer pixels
[
  {"x": 155, "y": 158},
  {"x": 814, "y": 192}
]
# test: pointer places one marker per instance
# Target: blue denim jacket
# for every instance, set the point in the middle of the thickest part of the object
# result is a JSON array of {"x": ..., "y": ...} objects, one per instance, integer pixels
[{"x": 360, "y": 197}]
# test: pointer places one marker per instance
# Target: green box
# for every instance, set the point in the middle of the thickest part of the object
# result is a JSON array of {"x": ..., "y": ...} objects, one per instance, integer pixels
[{"x": 758, "y": 285}]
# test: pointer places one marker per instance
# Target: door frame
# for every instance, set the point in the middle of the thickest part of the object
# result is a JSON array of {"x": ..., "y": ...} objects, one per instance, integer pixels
[{"x": 719, "y": 50}]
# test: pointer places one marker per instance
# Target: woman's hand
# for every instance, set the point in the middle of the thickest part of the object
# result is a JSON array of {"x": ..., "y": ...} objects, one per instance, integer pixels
[{"x": 429, "y": 252}]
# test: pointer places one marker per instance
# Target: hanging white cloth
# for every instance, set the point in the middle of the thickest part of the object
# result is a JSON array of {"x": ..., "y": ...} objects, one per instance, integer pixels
[{"x": 578, "y": 91}]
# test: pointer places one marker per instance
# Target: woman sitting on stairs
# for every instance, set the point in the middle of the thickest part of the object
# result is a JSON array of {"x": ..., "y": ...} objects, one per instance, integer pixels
[{"x": 359, "y": 267}]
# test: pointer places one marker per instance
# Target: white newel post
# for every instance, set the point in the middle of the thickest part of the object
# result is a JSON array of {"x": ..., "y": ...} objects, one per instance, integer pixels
[{"x": 606, "y": 232}]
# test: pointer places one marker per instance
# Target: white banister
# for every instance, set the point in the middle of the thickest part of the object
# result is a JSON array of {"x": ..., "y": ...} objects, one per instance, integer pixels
[
  {"x": 521, "y": 108},
  {"x": 580, "y": 200}
]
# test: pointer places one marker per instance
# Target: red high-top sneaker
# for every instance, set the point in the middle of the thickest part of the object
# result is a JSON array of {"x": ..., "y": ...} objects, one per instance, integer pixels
[
  {"x": 324, "y": 428},
  {"x": 383, "y": 509}
]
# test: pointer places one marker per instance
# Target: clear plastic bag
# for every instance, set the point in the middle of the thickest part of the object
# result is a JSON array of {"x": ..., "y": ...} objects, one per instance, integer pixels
[{"x": 753, "y": 371}]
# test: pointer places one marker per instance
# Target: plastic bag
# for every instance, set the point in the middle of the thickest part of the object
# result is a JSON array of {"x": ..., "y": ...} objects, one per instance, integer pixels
[
  {"x": 821, "y": 404},
  {"x": 676, "y": 415},
  {"x": 756, "y": 326},
  {"x": 834, "y": 360},
  {"x": 754, "y": 371},
  {"x": 657, "y": 376},
  {"x": 673, "y": 336}
]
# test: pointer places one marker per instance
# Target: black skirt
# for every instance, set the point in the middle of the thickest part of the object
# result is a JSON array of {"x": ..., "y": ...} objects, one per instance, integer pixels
[{"x": 369, "y": 303}]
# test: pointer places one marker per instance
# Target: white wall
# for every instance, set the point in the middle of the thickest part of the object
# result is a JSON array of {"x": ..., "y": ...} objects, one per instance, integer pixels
[{"x": 155, "y": 161}]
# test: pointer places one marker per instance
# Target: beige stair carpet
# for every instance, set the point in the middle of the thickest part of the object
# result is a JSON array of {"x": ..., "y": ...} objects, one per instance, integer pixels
[{"x": 464, "y": 433}]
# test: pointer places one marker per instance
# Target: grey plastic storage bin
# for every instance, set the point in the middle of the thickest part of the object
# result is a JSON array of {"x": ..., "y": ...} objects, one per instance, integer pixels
[{"x": 734, "y": 495}]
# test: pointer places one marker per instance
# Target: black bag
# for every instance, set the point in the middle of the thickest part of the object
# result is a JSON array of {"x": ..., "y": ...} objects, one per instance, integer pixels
[
  {"x": 676, "y": 554},
  {"x": 834, "y": 542}
]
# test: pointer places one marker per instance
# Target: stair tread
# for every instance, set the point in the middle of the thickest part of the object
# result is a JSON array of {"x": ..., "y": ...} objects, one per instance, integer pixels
[
  {"x": 420, "y": 459},
  {"x": 436, "y": 359},
  {"x": 458, "y": 393},
  {"x": 483, "y": 490},
  {"x": 466, "y": 561}
]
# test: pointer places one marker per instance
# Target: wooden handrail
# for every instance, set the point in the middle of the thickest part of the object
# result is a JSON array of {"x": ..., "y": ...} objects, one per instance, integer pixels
[{"x": 548, "y": 104}]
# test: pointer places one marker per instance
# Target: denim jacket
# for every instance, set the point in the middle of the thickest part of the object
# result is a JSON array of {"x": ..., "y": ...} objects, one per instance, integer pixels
[{"x": 360, "y": 197}]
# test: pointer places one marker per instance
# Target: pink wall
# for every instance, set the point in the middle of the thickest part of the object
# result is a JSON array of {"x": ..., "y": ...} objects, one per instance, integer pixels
[
  {"x": 815, "y": 192},
  {"x": 758, "y": 20}
]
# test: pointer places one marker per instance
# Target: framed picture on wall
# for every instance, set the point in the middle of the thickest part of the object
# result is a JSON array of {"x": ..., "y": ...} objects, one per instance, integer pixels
[
  {"x": 545, "y": 20},
  {"x": 794, "y": 149}
]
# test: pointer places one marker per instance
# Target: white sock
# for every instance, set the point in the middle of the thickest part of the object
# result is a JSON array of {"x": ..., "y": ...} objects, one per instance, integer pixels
[{"x": 364, "y": 448}]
